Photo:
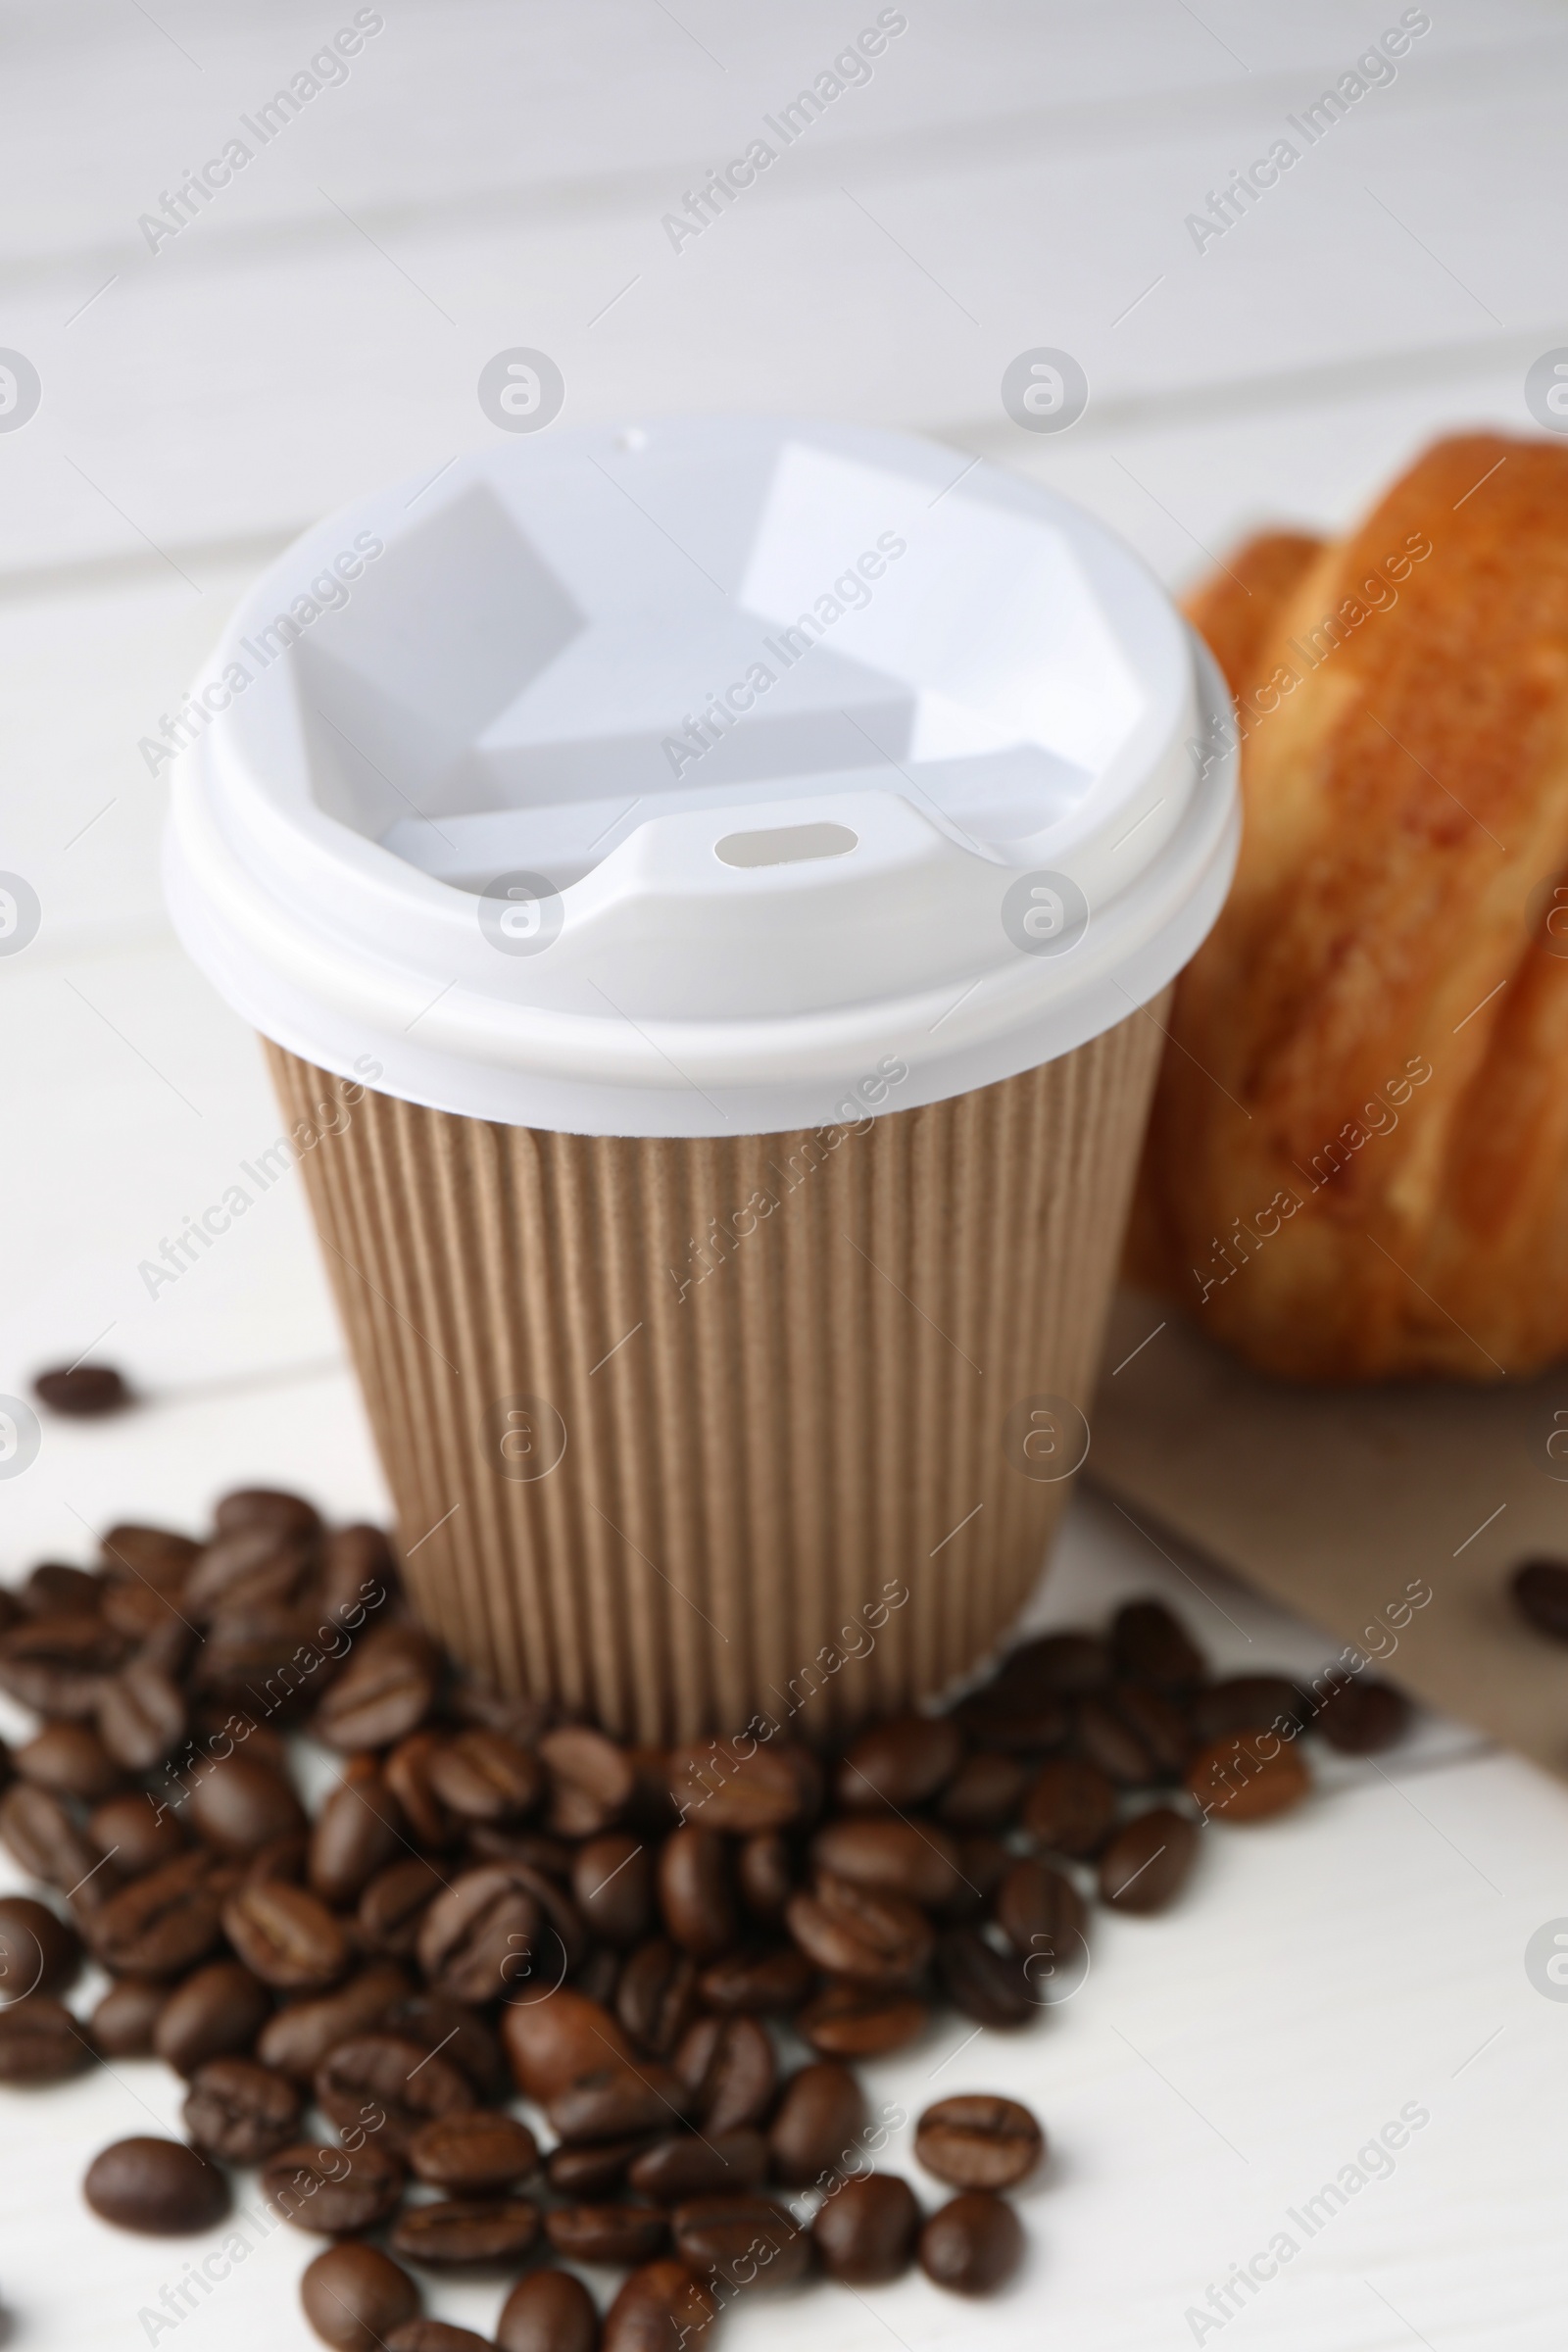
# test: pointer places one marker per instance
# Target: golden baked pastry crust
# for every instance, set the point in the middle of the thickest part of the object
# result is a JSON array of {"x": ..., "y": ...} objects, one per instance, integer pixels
[{"x": 1357, "y": 1161}]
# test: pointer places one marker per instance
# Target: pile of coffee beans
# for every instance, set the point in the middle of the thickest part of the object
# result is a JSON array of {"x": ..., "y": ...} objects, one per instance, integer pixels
[{"x": 675, "y": 1958}]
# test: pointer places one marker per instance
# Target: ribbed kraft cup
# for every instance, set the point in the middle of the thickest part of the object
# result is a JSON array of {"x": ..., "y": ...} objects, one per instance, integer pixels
[{"x": 684, "y": 1432}]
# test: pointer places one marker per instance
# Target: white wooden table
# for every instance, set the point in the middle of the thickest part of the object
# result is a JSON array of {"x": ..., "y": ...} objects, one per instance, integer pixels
[{"x": 1014, "y": 173}]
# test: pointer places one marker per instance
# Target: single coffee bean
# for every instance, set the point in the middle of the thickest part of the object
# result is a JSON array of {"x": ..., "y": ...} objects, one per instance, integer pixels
[
  {"x": 550, "y": 2311},
  {"x": 591, "y": 1780},
  {"x": 1070, "y": 1807},
  {"x": 597, "y": 2169},
  {"x": 44, "y": 1838},
  {"x": 655, "y": 1998},
  {"x": 58, "y": 1665},
  {"x": 299, "y": 2036},
  {"x": 865, "y": 2231},
  {"x": 618, "y": 2233},
  {"x": 1146, "y": 1863},
  {"x": 474, "y": 2154},
  {"x": 135, "y": 1832},
  {"x": 984, "y": 1792},
  {"x": 753, "y": 1983},
  {"x": 125, "y": 2020},
  {"x": 850, "y": 2021},
  {"x": 901, "y": 1763},
  {"x": 41, "y": 2042},
  {"x": 615, "y": 2101},
  {"x": 82, "y": 1390},
  {"x": 1540, "y": 1592},
  {"x": 729, "y": 2071},
  {"x": 158, "y": 2186},
  {"x": 239, "y": 2112},
  {"x": 358, "y": 1833},
  {"x": 334, "y": 2190},
  {"x": 1362, "y": 1717},
  {"x": 152, "y": 1620},
  {"x": 979, "y": 2141},
  {"x": 434, "y": 2335},
  {"x": 358, "y": 1573},
  {"x": 141, "y": 1715},
  {"x": 1152, "y": 1646},
  {"x": 69, "y": 1759},
  {"x": 354, "y": 2295},
  {"x": 458, "y": 2034},
  {"x": 466, "y": 2230},
  {"x": 1054, "y": 1666},
  {"x": 286, "y": 1936},
  {"x": 391, "y": 1910},
  {"x": 39, "y": 1951},
  {"x": 237, "y": 1804},
  {"x": 694, "y": 1893},
  {"x": 742, "y": 2242},
  {"x": 551, "y": 2043},
  {"x": 485, "y": 1936},
  {"x": 154, "y": 1555},
  {"x": 379, "y": 2081},
  {"x": 251, "y": 1573},
  {"x": 816, "y": 2128},
  {"x": 1104, "y": 1738},
  {"x": 973, "y": 2244},
  {"x": 482, "y": 1776},
  {"x": 664, "y": 2303},
  {"x": 161, "y": 1923},
  {"x": 406, "y": 1771},
  {"x": 766, "y": 1875},
  {"x": 1043, "y": 1916},
  {"x": 986, "y": 1985},
  {"x": 383, "y": 1693},
  {"x": 600, "y": 1974},
  {"x": 53, "y": 1590},
  {"x": 693, "y": 2164},
  {"x": 218, "y": 2010},
  {"x": 613, "y": 1887},
  {"x": 1012, "y": 1722},
  {"x": 719, "y": 1789},
  {"x": 859, "y": 1933},
  {"x": 505, "y": 1841},
  {"x": 902, "y": 1858},
  {"x": 1159, "y": 1726},
  {"x": 1250, "y": 1777},
  {"x": 1248, "y": 1702},
  {"x": 266, "y": 1507}
]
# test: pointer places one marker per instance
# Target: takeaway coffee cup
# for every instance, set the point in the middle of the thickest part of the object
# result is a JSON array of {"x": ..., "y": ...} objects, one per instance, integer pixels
[{"x": 708, "y": 892}]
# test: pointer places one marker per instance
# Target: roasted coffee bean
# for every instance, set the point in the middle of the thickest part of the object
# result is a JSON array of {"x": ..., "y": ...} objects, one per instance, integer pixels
[
  {"x": 1159, "y": 1726},
  {"x": 698, "y": 2163},
  {"x": 434, "y": 2335},
  {"x": 41, "y": 2042},
  {"x": 334, "y": 2190},
  {"x": 1070, "y": 1807},
  {"x": 662, "y": 2304},
  {"x": 153, "y": 1555},
  {"x": 613, "y": 1887},
  {"x": 44, "y": 1838},
  {"x": 1362, "y": 1717},
  {"x": 458, "y": 2033},
  {"x": 39, "y": 1952},
  {"x": 766, "y": 1875},
  {"x": 382, "y": 2082},
  {"x": 266, "y": 1507},
  {"x": 550, "y": 2043},
  {"x": 694, "y": 1893},
  {"x": 865, "y": 2231},
  {"x": 1013, "y": 1724},
  {"x": 551, "y": 1857},
  {"x": 1042, "y": 1915},
  {"x": 757, "y": 1983},
  {"x": 465, "y": 2231},
  {"x": 591, "y": 1781},
  {"x": 135, "y": 1831},
  {"x": 358, "y": 1832},
  {"x": 722, "y": 1789},
  {"x": 550, "y": 2310},
  {"x": 1152, "y": 1646},
  {"x": 392, "y": 1908},
  {"x": 616, "y": 2101},
  {"x": 485, "y": 1936},
  {"x": 1248, "y": 1702},
  {"x": 1146, "y": 1864},
  {"x": 1540, "y": 1592},
  {"x": 1248, "y": 1778},
  {"x": 973, "y": 2244},
  {"x": 247, "y": 1572},
  {"x": 1104, "y": 1738},
  {"x": 1054, "y": 1666},
  {"x": 474, "y": 2154},
  {"x": 287, "y": 1936},
  {"x": 850, "y": 2021},
  {"x": 600, "y": 1975},
  {"x": 161, "y": 1923},
  {"x": 729, "y": 2071},
  {"x": 218, "y": 2010},
  {"x": 979, "y": 2141},
  {"x": 859, "y": 1933},
  {"x": 69, "y": 1759},
  {"x": 406, "y": 1771},
  {"x": 354, "y": 2295},
  {"x": 984, "y": 1792},
  {"x": 656, "y": 1999},
  {"x": 358, "y": 1574},
  {"x": 988, "y": 1986},
  {"x": 901, "y": 1857},
  {"x": 58, "y": 1665},
  {"x": 125, "y": 2020},
  {"x": 54, "y": 1591},
  {"x": 598, "y": 2169},
  {"x": 158, "y": 2186},
  {"x": 299, "y": 2036},
  {"x": 82, "y": 1390},
  {"x": 383, "y": 1693},
  {"x": 152, "y": 1620},
  {"x": 743, "y": 2242},
  {"x": 482, "y": 1776},
  {"x": 901, "y": 1763},
  {"x": 618, "y": 2233},
  {"x": 241, "y": 2112},
  {"x": 282, "y": 1858},
  {"x": 236, "y": 1804},
  {"x": 141, "y": 1715},
  {"x": 816, "y": 2128}
]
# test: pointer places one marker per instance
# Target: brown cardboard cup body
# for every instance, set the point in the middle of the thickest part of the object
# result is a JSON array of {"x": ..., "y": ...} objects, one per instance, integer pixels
[{"x": 684, "y": 1432}]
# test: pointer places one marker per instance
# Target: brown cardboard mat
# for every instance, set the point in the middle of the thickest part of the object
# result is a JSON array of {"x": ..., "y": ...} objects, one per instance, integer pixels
[{"x": 1336, "y": 1500}]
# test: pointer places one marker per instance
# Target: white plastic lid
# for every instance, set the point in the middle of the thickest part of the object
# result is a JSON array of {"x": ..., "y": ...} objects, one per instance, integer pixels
[{"x": 694, "y": 780}]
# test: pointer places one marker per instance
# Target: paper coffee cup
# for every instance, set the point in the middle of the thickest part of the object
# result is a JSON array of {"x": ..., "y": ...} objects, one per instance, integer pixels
[{"x": 708, "y": 892}]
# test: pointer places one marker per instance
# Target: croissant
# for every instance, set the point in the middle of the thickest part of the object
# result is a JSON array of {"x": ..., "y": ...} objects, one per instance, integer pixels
[{"x": 1357, "y": 1166}]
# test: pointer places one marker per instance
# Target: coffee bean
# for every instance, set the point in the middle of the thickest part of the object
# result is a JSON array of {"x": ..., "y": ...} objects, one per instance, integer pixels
[
  {"x": 354, "y": 2295},
  {"x": 694, "y": 1893},
  {"x": 551, "y": 1857},
  {"x": 596, "y": 2169},
  {"x": 742, "y": 2242},
  {"x": 600, "y": 1975},
  {"x": 237, "y": 1804},
  {"x": 1539, "y": 1592},
  {"x": 406, "y": 1771},
  {"x": 979, "y": 2141},
  {"x": 282, "y": 1858},
  {"x": 241, "y": 2112},
  {"x": 379, "y": 2081},
  {"x": 392, "y": 1908},
  {"x": 550, "y": 2043},
  {"x": 150, "y": 1620},
  {"x": 458, "y": 2034},
  {"x": 591, "y": 1781},
  {"x": 613, "y": 1886},
  {"x": 82, "y": 1390},
  {"x": 485, "y": 1936},
  {"x": 125, "y": 2020},
  {"x": 729, "y": 2071},
  {"x": 988, "y": 1986},
  {"x": 482, "y": 1776},
  {"x": 286, "y": 1936},
  {"x": 1159, "y": 1726},
  {"x": 1362, "y": 1717},
  {"x": 551, "y": 2311},
  {"x": 973, "y": 2244},
  {"x": 900, "y": 1763},
  {"x": 434, "y": 2335},
  {"x": 358, "y": 1574},
  {"x": 69, "y": 1759},
  {"x": 474, "y": 2154},
  {"x": 358, "y": 1832},
  {"x": 984, "y": 1792},
  {"x": 1152, "y": 1646},
  {"x": 266, "y": 1507},
  {"x": 618, "y": 2233},
  {"x": 616, "y": 2101},
  {"x": 141, "y": 1715},
  {"x": 1042, "y": 1915},
  {"x": 1145, "y": 1865},
  {"x": 218, "y": 2010},
  {"x": 153, "y": 1555},
  {"x": 902, "y": 1858},
  {"x": 383, "y": 1693},
  {"x": 44, "y": 1838},
  {"x": 757, "y": 1983},
  {"x": 465, "y": 2231},
  {"x": 722, "y": 1789},
  {"x": 41, "y": 2042},
  {"x": 661, "y": 2304},
  {"x": 855, "y": 1932},
  {"x": 249, "y": 1572},
  {"x": 58, "y": 1665},
  {"x": 865, "y": 2231},
  {"x": 158, "y": 2186},
  {"x": 39, "y": 1952},
  {"x": 816, "y": 2129},
  {"x": 1248, "y": 1702},
  {"x": 299, "y": 2036},
  {"x": 850, "y": 2021},
  {"x": 334, "y": 2190},
  {"x": 656, "y": 1999},
  {"x": 1070, "y": 1807},
  {"x": 135, "y": 1831},
  {"x": 1054, "y": 1666},
  {"x": 1248, "y": 1778},
  {"x": 691, "y": 2163},
  {"x": 766, "y": 1875},
  {"x": 1012, "y": 1722},
  {"x": 1107, "y": 1740},
  {"x": 161, "y": 1923}
]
